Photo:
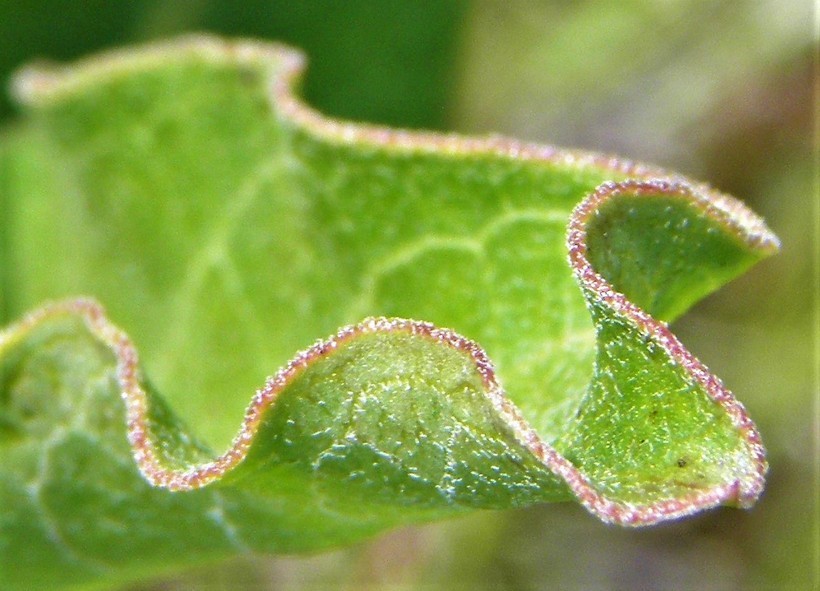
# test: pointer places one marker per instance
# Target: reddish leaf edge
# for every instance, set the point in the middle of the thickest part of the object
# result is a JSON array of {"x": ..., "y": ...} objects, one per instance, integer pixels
[{"x": 38, "y": 85}]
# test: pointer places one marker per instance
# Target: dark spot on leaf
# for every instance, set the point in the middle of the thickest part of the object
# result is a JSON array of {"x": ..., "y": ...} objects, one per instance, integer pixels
[
  {"x": 248, "y": 77},
  {"x": 681, "y": 462}
]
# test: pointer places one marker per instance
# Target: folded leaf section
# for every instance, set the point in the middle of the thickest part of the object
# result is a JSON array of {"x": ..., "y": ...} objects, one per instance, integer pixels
[
  {"x": 656, "y": 431},
  {"x": 387, "y": 423},
  {"x": 225, "y": 224}
]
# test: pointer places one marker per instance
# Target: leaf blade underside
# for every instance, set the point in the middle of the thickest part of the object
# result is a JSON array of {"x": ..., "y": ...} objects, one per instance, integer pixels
[{"x": 186, "y": 187}]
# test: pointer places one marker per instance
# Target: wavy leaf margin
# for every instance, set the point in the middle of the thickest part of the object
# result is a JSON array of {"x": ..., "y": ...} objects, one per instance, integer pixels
[{"x": 33, "y": 85}]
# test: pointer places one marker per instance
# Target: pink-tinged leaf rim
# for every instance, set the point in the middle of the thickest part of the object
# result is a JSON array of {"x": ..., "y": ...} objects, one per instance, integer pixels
[
  {"x": 147, "y": 457},
  {"x": 749, "y": 228},
  {"x": 37, "y": 85}
]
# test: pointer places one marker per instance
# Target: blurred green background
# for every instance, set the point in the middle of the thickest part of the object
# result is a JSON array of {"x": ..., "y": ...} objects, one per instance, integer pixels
[{"x": 721, "y": 91}]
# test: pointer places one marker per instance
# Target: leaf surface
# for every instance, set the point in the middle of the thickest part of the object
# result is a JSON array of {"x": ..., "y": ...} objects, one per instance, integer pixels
[{"x": 225, "y": 225}]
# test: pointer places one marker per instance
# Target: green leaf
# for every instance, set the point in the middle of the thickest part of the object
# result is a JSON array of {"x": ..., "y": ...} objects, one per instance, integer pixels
[{"x": 225, "y": 225}]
